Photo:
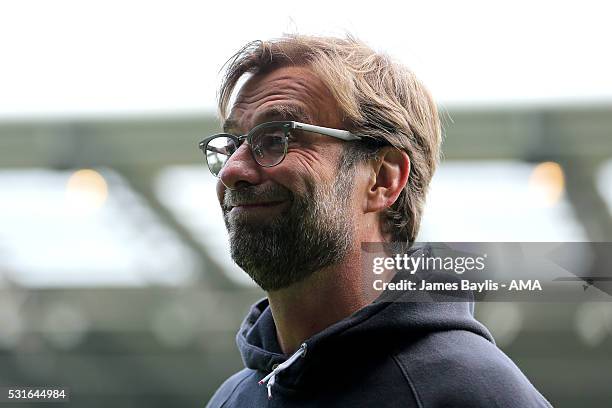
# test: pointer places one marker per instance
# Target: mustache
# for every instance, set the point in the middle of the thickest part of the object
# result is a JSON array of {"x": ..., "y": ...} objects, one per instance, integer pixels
[{"x": 255, "y": 194}]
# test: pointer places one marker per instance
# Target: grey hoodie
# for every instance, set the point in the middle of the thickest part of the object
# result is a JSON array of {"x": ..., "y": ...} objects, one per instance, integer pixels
[{"x": 387, "y": 354}]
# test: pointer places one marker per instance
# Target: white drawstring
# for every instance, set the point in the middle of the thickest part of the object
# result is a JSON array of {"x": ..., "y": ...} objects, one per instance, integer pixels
[{"x": 270, "y": 379}]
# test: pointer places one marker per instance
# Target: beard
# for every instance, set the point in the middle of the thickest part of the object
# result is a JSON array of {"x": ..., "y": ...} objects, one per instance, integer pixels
[{"x": 314, "y": 232}]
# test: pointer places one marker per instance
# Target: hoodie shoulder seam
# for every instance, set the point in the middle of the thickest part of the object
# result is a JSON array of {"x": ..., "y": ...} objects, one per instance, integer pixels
[
  {"x": 408, "y": 380},
  {"x": 235, "y": 388}
]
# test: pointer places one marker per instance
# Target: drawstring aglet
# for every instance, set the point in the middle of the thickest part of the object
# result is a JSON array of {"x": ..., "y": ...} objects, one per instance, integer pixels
[{"x": 270, "y": 379}]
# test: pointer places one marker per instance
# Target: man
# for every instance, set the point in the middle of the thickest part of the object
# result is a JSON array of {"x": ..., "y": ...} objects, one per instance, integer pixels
[{"x": 338, "y": 147}]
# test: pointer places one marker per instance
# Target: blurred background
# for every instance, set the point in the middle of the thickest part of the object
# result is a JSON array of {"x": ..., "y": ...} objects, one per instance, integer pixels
[{"x": 115, "y": 279}]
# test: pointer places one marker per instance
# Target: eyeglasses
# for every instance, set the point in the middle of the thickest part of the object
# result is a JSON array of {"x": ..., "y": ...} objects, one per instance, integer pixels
[{"x": 268, "y": 143}]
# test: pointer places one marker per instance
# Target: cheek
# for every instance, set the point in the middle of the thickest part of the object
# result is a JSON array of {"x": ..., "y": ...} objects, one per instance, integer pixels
[{"x": 318, "y": 165}]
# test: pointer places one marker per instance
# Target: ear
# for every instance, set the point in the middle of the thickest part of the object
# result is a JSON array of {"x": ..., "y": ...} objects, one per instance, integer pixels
[{"x": 389, "y": 175}]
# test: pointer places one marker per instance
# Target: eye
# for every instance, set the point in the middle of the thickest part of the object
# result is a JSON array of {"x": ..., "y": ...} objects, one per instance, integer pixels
[
  {"x": 295, "y": 136},
  {"x": 272, "y": 141}
]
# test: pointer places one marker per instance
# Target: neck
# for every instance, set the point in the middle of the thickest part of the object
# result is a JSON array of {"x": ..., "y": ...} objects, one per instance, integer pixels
[{"x": 324, "y": 298}]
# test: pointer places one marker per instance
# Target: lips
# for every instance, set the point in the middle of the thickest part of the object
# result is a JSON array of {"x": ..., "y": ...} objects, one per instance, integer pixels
[
  {"x": 259, "y": 204},
  {"x": 259, "y": 211},
  {"x": 251, "y": 199}
]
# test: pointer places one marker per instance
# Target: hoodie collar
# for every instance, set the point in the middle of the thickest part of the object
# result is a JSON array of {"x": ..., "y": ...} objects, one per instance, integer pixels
[{"x": 399, "y": 320}]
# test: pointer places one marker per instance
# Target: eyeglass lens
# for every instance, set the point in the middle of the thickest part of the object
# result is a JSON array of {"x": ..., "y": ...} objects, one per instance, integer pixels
[{"x": 268, "y": 145}]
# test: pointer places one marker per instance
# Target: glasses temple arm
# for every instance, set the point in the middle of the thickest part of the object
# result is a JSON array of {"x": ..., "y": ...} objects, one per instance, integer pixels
[{"x": 337, "y": 133}]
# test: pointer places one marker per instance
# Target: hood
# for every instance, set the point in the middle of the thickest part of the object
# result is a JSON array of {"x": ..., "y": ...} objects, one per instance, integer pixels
[{"x": 378, "y": 328}]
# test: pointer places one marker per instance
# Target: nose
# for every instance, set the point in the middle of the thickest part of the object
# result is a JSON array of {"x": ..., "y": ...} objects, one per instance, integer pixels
[{"x": 240, "y": 168}]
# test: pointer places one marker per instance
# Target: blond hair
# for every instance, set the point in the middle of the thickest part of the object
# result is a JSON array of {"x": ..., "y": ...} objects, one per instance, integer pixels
[{"x": 378, "y": 97}]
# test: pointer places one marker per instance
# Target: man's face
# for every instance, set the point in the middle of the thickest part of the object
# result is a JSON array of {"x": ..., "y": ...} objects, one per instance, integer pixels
[{"x": 288, "y": 221}]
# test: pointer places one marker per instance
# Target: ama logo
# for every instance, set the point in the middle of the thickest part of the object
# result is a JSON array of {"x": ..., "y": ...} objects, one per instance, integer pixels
[{"x": 519, "y": 284}]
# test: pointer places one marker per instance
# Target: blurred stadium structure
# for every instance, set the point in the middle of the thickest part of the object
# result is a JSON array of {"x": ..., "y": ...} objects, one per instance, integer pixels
[{"x": 115, "y": 279}]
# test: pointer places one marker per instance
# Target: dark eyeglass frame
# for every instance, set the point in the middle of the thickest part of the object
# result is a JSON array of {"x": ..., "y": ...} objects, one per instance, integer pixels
[{"x": 286, "y": 126}]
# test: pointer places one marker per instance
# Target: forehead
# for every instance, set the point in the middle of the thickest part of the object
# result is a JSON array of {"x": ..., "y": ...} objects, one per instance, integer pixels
[{"x": 286, "y": 93}]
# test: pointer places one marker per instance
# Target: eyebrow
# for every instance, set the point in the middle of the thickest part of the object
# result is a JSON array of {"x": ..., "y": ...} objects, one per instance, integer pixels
[
  {"x": 275, "y": 112},
  {"x": 285, "y": 112}
]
